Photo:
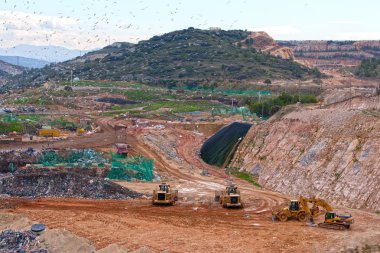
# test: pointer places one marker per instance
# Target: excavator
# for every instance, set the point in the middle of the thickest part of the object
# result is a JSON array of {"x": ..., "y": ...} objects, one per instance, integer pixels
[
  {"x": 301, "y": 211},
  {"x": 164, "y": 195},
  {"x": 230, "y": 197}
]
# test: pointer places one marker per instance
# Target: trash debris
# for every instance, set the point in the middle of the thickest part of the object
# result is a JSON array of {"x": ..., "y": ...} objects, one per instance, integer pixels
[
  {"x": 14, "y": 241},
  {"x": 53, "y": 182}
]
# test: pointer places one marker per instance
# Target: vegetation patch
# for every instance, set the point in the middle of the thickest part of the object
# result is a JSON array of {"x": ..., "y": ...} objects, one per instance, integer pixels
[
  {"x": 8, "y": 127},
  {"x": 245, "y": 176},
  {"x": 271, "y": 106},
  {"x": 369, "y": 68}
]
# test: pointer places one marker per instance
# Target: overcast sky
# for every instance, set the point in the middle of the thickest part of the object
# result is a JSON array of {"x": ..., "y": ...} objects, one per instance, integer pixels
[{"x": 91, "y": 24}]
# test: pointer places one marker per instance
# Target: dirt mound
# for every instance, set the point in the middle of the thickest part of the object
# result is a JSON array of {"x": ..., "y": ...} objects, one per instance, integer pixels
[{"x": 62, "y": 184}]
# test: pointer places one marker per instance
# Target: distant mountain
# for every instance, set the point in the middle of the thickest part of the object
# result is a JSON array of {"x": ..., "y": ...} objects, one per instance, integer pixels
[
  {"x": 190, "y": 57},
  {"x": 44, "y": 53},
  {"x": 24, "y": 62}
]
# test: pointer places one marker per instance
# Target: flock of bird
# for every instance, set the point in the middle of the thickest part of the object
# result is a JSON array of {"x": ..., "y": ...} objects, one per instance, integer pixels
[{"x": 91, "y": 24}]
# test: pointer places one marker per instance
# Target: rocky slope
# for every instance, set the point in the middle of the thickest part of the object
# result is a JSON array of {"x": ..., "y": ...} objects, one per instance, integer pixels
[
  {"x": 331, "y": 153},
  {"x": 328, "y": 54},
  {"x": 265, "y": 43}
]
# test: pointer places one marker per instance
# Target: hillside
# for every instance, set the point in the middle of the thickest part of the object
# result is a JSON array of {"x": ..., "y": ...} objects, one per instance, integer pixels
[
  {"x": 8, "y": 70},
  {"x": 332, "y": 153},
  {"x": 329, "y": 54},
  {"x": 188, "y": 57}
]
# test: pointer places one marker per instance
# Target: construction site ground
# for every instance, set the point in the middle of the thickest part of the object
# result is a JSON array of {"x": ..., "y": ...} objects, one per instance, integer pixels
[{"x": 195, "y": 223}]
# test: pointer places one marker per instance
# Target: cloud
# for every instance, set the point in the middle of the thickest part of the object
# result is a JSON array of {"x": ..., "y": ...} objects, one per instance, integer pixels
[
  {"x": 357, "y": 36},
  {"x": 36, "y": 29},
  {"x": 279, "y": 30}
]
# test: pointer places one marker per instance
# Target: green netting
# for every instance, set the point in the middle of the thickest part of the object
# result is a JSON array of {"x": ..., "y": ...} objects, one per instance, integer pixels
[
  {"x": 9, "y": 118},
  {"x": 246, "y": 92},
  {"x": 79, "y": 158},
  {"x": 245, "y": 113},
  {"x": 131, "y": 167}
]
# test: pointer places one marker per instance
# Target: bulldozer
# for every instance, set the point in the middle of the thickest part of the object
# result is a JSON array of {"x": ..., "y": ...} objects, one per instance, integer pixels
[
  {"x": 164, "y": 195},
  {"x": 301, "y": 211},
  {"x": 230, "y": 197}
]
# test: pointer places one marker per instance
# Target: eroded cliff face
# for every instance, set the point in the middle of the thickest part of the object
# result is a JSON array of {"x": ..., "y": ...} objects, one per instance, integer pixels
[
  {"x": 331, "y": 153},
  {"x": 265, "y": 43}
]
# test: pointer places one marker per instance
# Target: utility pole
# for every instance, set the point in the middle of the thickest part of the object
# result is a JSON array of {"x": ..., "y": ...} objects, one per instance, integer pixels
[
  {"x": 350, "y": 89},
  {"x": 299, "y": 98},
  {"x": 71, "y": 78}
]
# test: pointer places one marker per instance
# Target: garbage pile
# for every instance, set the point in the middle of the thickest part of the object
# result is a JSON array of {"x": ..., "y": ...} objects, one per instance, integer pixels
[
  {"x": 13, "y": 159},
  {"x": 15, "y": 241},
  {"x": 56, "y": 183}
]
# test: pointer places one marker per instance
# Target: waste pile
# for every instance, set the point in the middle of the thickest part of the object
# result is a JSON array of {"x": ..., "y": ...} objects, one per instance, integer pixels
[
  {"x": 25, "y": 241},
  {"x": 60, "y": 183},
  {"x": 13, "y": 159},
  {"x": 218, "y": 148}
]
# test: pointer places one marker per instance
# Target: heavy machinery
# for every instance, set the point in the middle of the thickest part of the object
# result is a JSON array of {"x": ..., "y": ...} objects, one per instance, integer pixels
[
  {"x": 164, "y": 195},
  {"x": 230, "y": 197},
  {"x": 122, "y": 149},
  {"x": 297, "y": 209},
  {"x": 49, "y": 132},
  {"x": 301, "y": 211},
  {"x": 335, "y": 221}
]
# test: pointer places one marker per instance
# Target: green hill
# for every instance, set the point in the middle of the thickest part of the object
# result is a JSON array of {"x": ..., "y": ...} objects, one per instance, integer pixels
[{"x": 189, "y": 57}]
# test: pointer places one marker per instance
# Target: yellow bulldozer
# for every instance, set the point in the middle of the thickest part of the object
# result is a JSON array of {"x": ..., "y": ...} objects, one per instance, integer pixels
[
  {"x": 230, "y": 197},
  {"x": 299, "y": 209},
  {"x": 164, "y": 195}
]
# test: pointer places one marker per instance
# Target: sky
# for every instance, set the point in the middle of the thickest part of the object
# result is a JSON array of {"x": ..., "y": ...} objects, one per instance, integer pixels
[{"x": 88, "y": 24}]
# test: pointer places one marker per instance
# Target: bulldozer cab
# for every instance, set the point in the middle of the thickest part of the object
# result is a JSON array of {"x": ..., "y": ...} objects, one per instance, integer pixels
[
  {"x": 330, "y": 215},
  {"x": 294, "y": 205},
  {"x": 231, "y": 189},
  {"x": 164, "y": 187}
]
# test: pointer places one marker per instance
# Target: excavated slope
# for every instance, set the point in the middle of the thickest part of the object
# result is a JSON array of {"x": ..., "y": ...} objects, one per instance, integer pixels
[{"x": 331, "y": 153}]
